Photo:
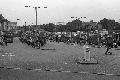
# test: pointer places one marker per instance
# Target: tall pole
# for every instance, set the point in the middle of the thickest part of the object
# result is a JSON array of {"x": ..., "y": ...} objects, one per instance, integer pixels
[
  {"x": 36, "y": 15},
  {"x": 35, "y": 12},
  {"x": 25, "y": 23},
  {"x": 25, "y": 27}
]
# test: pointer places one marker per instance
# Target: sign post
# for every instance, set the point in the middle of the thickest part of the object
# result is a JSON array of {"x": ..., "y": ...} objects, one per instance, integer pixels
[
  {"x": 86, "y": 53},
  {"x": 87, "y": 59}
]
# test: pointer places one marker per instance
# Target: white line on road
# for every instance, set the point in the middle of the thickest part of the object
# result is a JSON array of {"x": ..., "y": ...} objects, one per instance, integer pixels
[
  {"x": 3, "y": 55},
  {"x": 64, "y": 71}
]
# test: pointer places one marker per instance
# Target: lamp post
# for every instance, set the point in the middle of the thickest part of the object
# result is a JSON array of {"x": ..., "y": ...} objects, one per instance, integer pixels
[
  {"x": 76, "y": 18},
  {"x": 24, "y": 26},
  {"x": 18, "y": 19},
  {"x": 18, "y": 26},
  {"x": 35, "y": 12}
]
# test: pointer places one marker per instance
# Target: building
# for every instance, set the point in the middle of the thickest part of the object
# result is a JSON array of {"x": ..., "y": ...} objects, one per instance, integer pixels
[
  {"x": 12, "y": 25},
  {"x": 3, "y": 23},
  {"x": 6, "y": 25}
]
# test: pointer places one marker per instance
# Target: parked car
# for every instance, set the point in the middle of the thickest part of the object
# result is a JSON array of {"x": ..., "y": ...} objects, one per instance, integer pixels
[{"x": 8, "y": 36}]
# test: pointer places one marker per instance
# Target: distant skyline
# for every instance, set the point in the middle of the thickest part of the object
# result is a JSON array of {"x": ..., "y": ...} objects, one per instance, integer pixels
[{"x": 59, "y": 10}]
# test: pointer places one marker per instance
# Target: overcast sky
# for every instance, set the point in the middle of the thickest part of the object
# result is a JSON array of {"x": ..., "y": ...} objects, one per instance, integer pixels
[{"x": 59, "y": 10}]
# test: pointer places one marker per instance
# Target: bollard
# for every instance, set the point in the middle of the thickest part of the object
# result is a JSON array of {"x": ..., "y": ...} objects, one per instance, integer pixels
[
  {"x": 86, "y": 58},
  {"x": 86, "y": 53}
]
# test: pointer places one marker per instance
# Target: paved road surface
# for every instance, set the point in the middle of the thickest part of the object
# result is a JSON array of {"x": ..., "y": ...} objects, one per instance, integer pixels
[{"x": 63, "y": 59}]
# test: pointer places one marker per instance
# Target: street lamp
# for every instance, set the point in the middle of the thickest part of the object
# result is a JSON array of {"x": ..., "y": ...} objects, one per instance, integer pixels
[
  {"x": 18, "y": 19},
  {"x": 18, "y": 26},
  {"x": 77, "y": 18},
  {"x": 24, "y": 26},
  {"x": 35, "y": 12}
]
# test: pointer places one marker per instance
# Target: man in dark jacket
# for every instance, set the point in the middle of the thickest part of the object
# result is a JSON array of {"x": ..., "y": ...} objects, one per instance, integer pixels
[
  {"x": 109, "y": 45},
  {"x": 5, "y": 39}
]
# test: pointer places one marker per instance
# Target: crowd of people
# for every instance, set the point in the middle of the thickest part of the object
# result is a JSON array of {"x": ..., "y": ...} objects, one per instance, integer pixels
[
  {"x": 37, "y": 39},
  {"x": 96, "y": 40}
]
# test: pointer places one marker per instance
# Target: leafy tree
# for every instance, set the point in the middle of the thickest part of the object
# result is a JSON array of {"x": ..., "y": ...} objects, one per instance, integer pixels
[
  {"x": 62, "y": 28},
  {"x": 108, "y": 24},
  {"x": 49, "y": 27},
  {"x": 75, "y": 24},
  {"x": 117, "y": 27}
]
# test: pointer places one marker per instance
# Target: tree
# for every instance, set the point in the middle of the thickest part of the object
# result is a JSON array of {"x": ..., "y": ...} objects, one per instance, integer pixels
[
  {"x": 62, "y": 28},
  {"x": 108, "y": 24},
  {"x": 74, "y": 25},
  {"x": 49, "y": 27},
  {"x": 117, "y": 26}
]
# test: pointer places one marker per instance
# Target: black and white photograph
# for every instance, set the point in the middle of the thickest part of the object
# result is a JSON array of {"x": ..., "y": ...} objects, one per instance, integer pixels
[{"x": 59, "y": 39}]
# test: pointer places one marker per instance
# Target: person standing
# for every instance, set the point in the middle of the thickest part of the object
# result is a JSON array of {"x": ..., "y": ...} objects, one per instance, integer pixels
[
  {"x": 56, "y": 38},
  {"x": 59, "y": 38}
]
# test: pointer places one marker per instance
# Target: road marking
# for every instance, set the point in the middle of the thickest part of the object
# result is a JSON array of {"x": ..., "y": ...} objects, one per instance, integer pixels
[
  {"x": 17, "y": 68},
  {"x": 54, "y": 70},
  {"x": 62, "y": 71},
  {"x": 6, "y": 53},
  {"x": 110, "y": 74},
  {"x": 10, "y": 68},
  {"x": 11, "y": 55},
  {"x": 65, "y": 63},
  {"x": 38, "y": 69},
  {"x": 101, "y": 73},
  {"x": 83, "y": 72},
  {"x": 66, "y": 71},
  {"x": 3, "y": 55}
]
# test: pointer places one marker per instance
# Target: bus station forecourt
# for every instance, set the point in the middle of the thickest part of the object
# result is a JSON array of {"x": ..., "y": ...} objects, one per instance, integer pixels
[{"x": 56, "y": 61}]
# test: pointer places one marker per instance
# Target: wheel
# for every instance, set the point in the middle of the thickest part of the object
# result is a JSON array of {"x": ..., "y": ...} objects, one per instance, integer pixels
[
  {"x": 110, "y": 53},
  {"x": 37, "y": 45},
  {"x": 33, "y": 44}
]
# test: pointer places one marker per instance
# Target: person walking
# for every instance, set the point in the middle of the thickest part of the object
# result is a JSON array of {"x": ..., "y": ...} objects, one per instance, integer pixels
[
  {"x": 5, "y": 39},
  {"x": 109, "y": 45}
]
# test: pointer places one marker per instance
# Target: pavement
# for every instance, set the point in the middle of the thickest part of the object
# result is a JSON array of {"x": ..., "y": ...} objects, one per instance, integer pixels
[{"x": 56, "y": 62}]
